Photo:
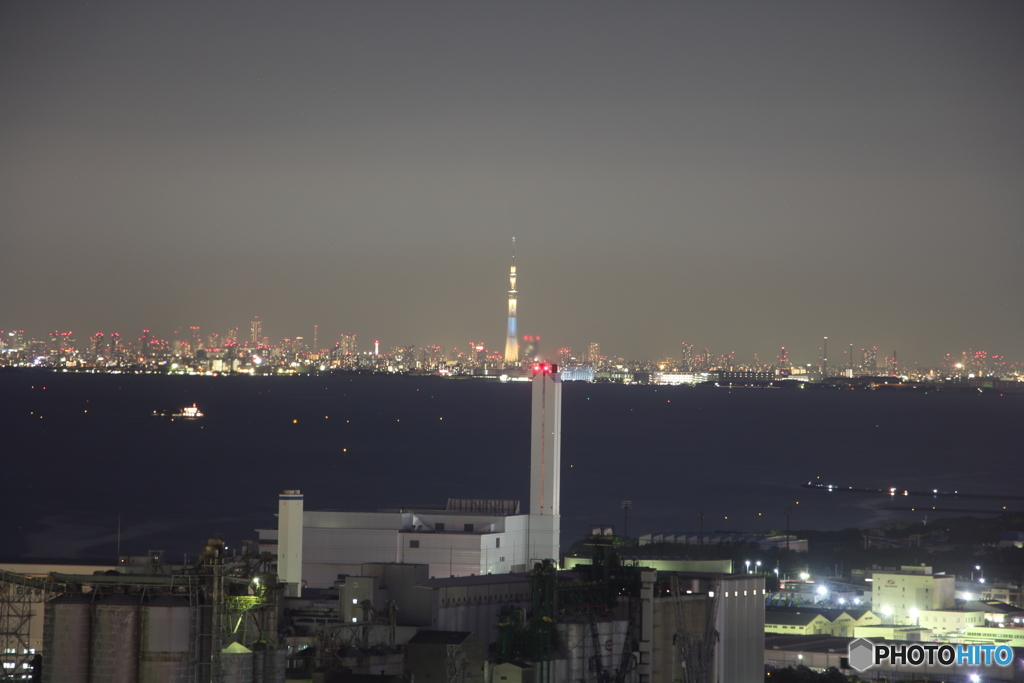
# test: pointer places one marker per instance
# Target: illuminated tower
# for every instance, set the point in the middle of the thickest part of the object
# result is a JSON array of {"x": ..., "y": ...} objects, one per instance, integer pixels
[
  {"x": 512, "y": 341},
  {"x": 545, "y": 463},
  {"x": 256, "y": 330}
]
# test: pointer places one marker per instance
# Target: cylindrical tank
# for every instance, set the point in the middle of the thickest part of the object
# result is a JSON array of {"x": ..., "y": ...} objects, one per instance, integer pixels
[
  {"x": 258, "y": 662},
  {"x": 164, "y": 643},
  {"x": 236, "y": 664},
  {"x": 115, "y": 640},
  {"x": 66, "y": 639},
  {"x": 275, "y": 664}
]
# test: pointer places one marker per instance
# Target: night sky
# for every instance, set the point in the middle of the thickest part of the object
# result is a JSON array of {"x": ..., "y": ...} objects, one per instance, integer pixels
[{"x": 738, "y": 176}]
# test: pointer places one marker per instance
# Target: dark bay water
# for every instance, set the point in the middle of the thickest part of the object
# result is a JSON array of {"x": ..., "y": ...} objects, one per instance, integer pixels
[{"x": 80, "y": 450}]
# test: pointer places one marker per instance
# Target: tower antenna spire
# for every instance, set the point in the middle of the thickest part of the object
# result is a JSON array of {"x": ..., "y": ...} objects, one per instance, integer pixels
[{"x": 512, "y": 338}]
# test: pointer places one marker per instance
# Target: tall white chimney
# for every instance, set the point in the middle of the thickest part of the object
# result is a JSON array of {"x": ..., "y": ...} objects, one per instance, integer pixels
[
  {"x": 545, "y": 463},
  {"x": 289, "y": 542}
]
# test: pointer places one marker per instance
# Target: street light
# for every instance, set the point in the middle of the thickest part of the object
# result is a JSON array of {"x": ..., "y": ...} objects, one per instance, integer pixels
[
  {"x": 747, "y": 562},
  {"x": 626, "y": 504},
  {"x": 757, "y": 566}
]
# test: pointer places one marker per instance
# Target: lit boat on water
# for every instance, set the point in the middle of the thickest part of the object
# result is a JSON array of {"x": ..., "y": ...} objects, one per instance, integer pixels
[{"x": 188, "y": 412}]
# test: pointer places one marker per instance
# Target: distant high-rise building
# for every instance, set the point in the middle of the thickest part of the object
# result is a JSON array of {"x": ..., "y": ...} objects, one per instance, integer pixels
[
  {"x": 531, "y": 348},
  {"x": 869, "y": 362},
  {"x": 783, "y": 358},
  {"x": 195, "y": 339},
  {"x": 15, "y": 340},
  {"x": 431, "y": 356},
  {"x": 512, "y": 339},
  {"x": 477, "y": 352},
  {"x": 594, "y": 353},
  {"x": 565, "y": 356},
  {"x": 256, "y": 330},
  {"x": 686, "y": 359},
  {"x": 347, "y": 345},
  {"x": 97, "y": 345}
]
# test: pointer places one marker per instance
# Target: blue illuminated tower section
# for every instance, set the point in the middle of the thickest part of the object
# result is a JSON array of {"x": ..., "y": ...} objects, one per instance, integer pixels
[
  {"x": 545, "y": 463},
  {"x": 512, "y": 341}
]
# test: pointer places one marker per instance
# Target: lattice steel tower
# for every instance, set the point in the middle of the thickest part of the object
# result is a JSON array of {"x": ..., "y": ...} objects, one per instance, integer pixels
[{"x": 512, "y": 341}]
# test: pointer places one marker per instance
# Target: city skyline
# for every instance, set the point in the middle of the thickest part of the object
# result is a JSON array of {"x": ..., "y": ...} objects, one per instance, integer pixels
[
  {"x": 185, "y": 343},
  {"x": 737, "y": 176}
]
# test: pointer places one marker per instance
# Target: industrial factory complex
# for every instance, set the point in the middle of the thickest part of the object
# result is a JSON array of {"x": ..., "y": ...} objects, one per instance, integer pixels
[
  {"x": 463, "y": 538},
  {"x": 474, "y": 590}
]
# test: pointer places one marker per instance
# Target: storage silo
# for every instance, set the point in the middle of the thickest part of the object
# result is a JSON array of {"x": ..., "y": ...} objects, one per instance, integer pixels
[
  {"x": 236, "y": 664},
  {"x": 115, "y": 640},
  {"x": 66, "y": 639},
  {"x": 164, "y": 641},
  {"x": 275, "y": 664},
  {"x": 258, "y": 662}
]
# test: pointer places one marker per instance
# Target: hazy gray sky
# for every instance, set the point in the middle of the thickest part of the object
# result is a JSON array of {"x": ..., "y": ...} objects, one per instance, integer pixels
[{"x": 735, "y": 175}]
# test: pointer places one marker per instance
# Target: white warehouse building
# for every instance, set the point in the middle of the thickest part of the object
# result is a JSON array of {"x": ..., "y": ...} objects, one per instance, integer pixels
[{"x": 465, "y": 537}]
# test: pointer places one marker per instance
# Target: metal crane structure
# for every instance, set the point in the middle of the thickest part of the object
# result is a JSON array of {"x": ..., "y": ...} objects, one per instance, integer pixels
[
  {"x": 579, "y": 598},
  {"x": 21, "y": 597},
  {"x": 695, "y": 647},
  {"x": 375, "y": 628}
]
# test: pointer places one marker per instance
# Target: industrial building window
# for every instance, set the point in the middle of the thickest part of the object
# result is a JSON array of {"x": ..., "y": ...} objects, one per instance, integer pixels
[
  {"x": 439, "y": 526},
  {"x": 414, "y": 544},
  {"x": 467, "y": 527},
  {"x": 497, "y": 543}
]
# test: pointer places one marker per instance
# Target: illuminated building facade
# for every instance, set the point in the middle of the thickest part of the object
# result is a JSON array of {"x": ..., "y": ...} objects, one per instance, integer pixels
[{"x": 900, "y": 597}]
